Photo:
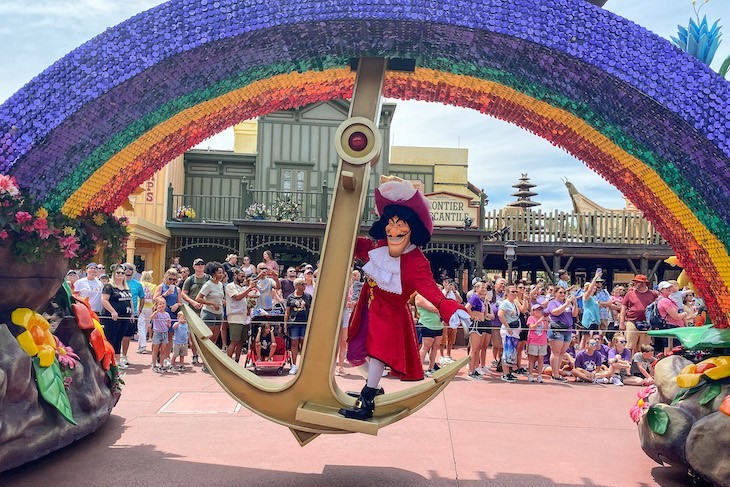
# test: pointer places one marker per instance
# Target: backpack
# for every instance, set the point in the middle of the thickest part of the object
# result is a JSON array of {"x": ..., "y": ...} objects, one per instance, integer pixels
[{"x": 654, "y": 318}]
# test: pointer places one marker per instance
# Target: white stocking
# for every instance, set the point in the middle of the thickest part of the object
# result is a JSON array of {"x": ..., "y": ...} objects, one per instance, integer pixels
[{"x": 375, "y": 372}]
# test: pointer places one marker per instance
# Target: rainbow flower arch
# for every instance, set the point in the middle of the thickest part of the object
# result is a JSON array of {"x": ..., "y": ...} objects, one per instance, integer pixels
[{"x": 650, "y": 119}]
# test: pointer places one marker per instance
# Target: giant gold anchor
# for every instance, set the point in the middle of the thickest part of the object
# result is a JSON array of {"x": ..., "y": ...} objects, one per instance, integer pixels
[{"x": 308, "y": 404}]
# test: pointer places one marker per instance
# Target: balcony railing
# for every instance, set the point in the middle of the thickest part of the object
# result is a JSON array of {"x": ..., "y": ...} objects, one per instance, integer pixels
[
  {"x": 610, "y": 227},
  {"x": 297, "y": 206}
]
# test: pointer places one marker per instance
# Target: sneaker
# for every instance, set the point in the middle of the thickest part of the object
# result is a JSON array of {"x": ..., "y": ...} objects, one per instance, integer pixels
[
  {"x": 166, "y": 363},
  {"x": 123, "y": 360},
  {"x": 499, "y": 368},
  {"x": 521, "y": 371},
  {"x": 530, "y": 378},
  {"x": 512, "y": 377},
  {"x": 481, "y": 371},
  {"x": 539, "y": 379},
  {"x": 293, "y": 370},
  {"x": 142, "y": 350},
  {"x": 495, "y": 363},
  {"x": 428, "y": 373},
  {"x": 181, "y": 368},
  {"x": 559, "y": 379},
  {"x": 436, "y": 367},
  {"x": 616, "y": 380},
  {"x": 122, "y": 365},
  {"x": 601, "y": 380},
  {"x": 508, "y": 378},
  {"x": 155, "y": 368},
  {"x": 473, "y": 376},
  {"x": 205, "y": 369},
  {"x": 195, "y": 360}
]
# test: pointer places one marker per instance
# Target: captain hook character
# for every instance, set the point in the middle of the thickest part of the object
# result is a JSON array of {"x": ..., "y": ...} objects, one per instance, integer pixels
[{"x": 381, "y": 329}]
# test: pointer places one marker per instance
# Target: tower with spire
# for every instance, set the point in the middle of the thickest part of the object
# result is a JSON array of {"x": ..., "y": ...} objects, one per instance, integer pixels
[{"x": 524, "y": 193}]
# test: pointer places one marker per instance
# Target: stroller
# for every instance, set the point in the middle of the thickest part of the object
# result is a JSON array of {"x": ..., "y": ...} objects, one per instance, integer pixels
[{"x": 282, "y": 355}]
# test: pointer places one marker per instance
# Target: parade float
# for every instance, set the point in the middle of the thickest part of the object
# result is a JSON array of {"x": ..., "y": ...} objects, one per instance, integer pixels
[
  {"x": 58, "y": 379},
  {"x": 646, "y": 116}
]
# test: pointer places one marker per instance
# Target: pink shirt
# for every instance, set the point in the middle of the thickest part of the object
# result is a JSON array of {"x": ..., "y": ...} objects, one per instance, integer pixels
[
  {"x": 666, "y": 304},
  {"x": 538, "y": 336}
]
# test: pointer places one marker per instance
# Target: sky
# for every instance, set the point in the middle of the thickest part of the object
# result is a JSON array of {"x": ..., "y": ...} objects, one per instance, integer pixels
[{"x": 36, "y": 34}]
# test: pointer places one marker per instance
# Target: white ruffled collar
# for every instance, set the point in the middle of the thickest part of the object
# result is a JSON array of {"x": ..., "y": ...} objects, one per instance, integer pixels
[{"x": 384, "y": 269}]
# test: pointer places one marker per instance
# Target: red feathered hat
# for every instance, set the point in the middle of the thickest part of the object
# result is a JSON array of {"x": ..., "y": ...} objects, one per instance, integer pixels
[{"x": 395, "y": 191}]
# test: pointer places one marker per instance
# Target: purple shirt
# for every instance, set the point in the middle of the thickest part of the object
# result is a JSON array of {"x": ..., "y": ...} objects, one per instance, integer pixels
[
  {"x": 625, "y": 354},
  {"x": 588, "y": 362},
  {"x": 566, "y": 317},
  {"x": 476, "y": 303}
]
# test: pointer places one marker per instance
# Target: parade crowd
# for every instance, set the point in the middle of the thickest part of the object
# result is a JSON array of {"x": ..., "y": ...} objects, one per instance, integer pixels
[{"x": 538, "y": 330}]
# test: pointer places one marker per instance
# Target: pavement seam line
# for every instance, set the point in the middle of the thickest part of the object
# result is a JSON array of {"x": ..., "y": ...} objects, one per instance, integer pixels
[{"x": 451, "y": 439}]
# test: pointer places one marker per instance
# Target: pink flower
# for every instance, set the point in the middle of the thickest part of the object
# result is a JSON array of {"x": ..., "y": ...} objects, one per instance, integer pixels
[
  {"x": 4, "y": 235},
  {"x": 65, "y": 355},
  {"x": 8, "y": 185},
  {"x": 635, "y": 413},
  {"x": 646, "y": 392},
  {"x": 69, "y": 245},
  {"x": 41, "y": 226},
  {"x": 23, "y": 217}
]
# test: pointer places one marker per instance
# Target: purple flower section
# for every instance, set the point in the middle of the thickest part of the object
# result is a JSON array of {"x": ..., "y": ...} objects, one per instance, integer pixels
[
  {"x": 619, "y": 104},
  {"x": 646, "y": 64}
]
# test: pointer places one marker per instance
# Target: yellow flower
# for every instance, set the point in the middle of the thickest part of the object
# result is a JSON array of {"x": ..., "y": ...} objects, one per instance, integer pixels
[
  {"x": 37, "y": 338},
  {"x": 69, "y": 230},
  {"x": 99, "y": 219},
  {"x": 41, "y": 213}
]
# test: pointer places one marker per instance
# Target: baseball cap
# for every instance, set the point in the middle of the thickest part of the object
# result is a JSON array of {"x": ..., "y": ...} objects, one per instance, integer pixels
[
  {"x": 663, "y": 285},
  {"x": 91, "y": 265},
  {"x": 72, "y": 272},
  {"x": 536, "y": 306},
  {"x": 198, "y": 261}
]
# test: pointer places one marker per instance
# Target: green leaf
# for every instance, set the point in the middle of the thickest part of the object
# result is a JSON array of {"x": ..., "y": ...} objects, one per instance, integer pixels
[
  {"x": 710, "y": 393},
  {"x": 50, "y": 385},
  {"x": 725, "y": 66},
  {"x": 680, "y": 395},
  {"x": 658, "y": 420}
]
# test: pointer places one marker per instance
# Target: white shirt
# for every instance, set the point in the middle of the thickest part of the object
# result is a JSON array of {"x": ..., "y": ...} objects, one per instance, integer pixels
[
  {"x": 91, "y": 290},
  {"x": 236, "y": 309}
]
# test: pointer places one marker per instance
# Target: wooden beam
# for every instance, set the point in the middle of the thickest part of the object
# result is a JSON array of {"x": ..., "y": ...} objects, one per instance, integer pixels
[
  {"x": 547, "y": 268},
  {"x": 633, "y": 267},
  {"x": 654, "y": 269},
  {"x": 567, "y": 264}
]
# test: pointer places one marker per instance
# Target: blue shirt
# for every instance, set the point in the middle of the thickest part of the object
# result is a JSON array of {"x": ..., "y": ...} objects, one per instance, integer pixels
[
  {"x": 181, "y": 334},
  {"x": 603, "y": 296},
  {"x": 135, "y": 287},
  {"x": 591, "y": 314}
]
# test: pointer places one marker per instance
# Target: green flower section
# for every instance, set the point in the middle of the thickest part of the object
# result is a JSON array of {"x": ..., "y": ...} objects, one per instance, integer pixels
[{"x": 666, "y": 169}]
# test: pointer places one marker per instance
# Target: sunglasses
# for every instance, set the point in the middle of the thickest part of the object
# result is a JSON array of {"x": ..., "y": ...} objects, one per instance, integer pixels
[
  {"x": 622, "y": 341},
  {"x": 171, "y": 278},
  {"x": 121, "y": 273},
  {"x": 592, "y": 343}
]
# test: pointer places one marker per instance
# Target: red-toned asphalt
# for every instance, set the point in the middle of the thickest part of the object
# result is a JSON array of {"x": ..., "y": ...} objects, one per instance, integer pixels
[{"x": 182, "y": 429}]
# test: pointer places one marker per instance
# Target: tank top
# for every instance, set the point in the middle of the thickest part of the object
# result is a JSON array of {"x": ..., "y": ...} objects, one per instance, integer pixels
[
  {"x": 171, "y": 299},
  {"x": 429, "y": 319}
]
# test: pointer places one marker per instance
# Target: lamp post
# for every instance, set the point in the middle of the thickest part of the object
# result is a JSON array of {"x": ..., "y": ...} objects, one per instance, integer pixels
[{"x": 510, "y": 255}]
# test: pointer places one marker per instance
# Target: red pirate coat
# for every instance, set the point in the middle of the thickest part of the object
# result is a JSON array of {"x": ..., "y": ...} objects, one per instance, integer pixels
[{"x": 382, "y": 320}]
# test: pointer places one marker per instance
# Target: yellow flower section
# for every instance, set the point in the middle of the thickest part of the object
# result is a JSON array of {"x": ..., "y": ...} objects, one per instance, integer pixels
[
  {"x": 37, "y": 339},
  {"x": 714, "y": 368},
  {"x": 439, "y": 83}
]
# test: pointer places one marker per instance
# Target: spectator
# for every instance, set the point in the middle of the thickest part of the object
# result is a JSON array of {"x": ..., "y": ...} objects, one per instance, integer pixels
[
  {"x": 537, "y": 341},
  {"x": 563, "y": 278},
  {"x": 604, "y": 303},
  {"x": 270, "y": 262},
  {"x": 169, "y": 291},
  {"x": 180, "y": 341},
  {"x": 477, "y": 330},
  {"x": 182, "y": 274},
  {"x": 562, "y": 311},
  {"x": 239, "y": 326},
  {"x": 431, "y": 330},
  {"x": 309, "y": 282},
  {"x": 510, "y": 332},
  {"x": 265, "y": 344},
  {"x": 641, "y": 367},
  {"x": 286, "y": 284},
  {"x": 591, "y": 318},
  {"x": 104, "y": 279},
  {"x": 266, "y": 284},
  {"x": 90, "y": 287},
  {"x": 145, "y": 313},
  {"x": 116, "y": 300},
  {"x": 248, "y": 268},
  {"x": 296, "y": 316},
  {"x": 229, "y": 265},
  {"x": 620, "y": 357},
  {"x": 211, "y": 296},
  {"x": 588, "y": 366},
  {"x": 160, "y": 321},
  {"x": 633, "y": 312},
  {"x": 135, "y": 287},
  {"x": 523, "y": 306},
  {"x": 672, "y": 314},
  {"x": 498, "y": 295}
]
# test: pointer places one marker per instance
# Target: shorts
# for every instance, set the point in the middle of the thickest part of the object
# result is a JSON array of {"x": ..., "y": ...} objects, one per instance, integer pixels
[
  {"x": 211, "y": 319},
  {"x": 179, "y": 349},
  {"x": 131, "y": 328},
  {"x": 560, "y": 335},
  {"x": 429, "y": 333},
  {"x": 238, "y": 332},
  {"x": 159, "y": 338},
  {"x": 346, "y": 317},
  {"x": 583, "y": 330},
  {"x": 479, "y": 327},
  {"x": 523, "y": 335},
  {"x": 536, "y": 350},
  {"x": 296, "y": 332}
]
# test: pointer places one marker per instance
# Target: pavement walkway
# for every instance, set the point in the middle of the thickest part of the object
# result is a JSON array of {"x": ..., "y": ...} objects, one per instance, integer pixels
[{"x": 180, "y": 428}]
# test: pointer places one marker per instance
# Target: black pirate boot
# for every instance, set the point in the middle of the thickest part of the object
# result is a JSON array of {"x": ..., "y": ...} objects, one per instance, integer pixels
[{"x": 364, "y": 406}]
